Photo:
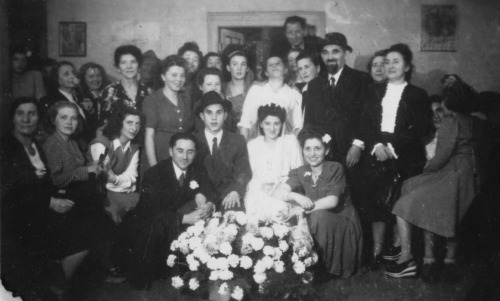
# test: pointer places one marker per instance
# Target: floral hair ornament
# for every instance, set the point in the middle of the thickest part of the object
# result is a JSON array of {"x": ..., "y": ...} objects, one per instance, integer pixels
[{"x": 326, "y": 138}]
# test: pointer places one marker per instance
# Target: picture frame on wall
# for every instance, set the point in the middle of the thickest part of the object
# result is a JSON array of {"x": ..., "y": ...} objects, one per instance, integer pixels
[
  {"x": 72, "y": 39},
  {"x": 439, "y": 28}
]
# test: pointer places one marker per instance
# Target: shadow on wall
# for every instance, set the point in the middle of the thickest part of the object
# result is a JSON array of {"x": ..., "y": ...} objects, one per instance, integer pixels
[{"x": 430, "y": 81}]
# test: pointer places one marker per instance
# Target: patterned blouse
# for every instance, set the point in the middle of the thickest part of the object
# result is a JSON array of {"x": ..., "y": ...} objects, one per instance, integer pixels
[{"x": 114, "y": 95}]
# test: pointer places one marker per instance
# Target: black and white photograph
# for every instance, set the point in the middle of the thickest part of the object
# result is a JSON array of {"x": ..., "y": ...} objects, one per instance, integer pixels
[{"x": 249, "y": 150}]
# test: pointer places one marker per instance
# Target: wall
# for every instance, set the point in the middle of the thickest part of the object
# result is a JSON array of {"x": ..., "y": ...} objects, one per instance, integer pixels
[{"x": 369, "y": 25}]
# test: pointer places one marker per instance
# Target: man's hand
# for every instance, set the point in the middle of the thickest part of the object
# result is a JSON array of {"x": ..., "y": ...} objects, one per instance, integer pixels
[
  {"x": 353, "y": 155},
  {"x": 193, "y": 217},
  {"x": 382, "y": 153},
  {"x": 200, "y": 200},
  {"x": 231, "y": 200},
  {"x": 61, "y": 205},
  {"x": 207, "y": 210}
]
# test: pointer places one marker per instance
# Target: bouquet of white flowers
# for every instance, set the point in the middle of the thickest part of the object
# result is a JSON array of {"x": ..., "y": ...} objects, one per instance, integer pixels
[{"x": 226, "y": 248}]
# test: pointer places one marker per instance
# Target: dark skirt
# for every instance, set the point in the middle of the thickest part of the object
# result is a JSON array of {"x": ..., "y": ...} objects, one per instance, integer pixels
[
  {"x": 81, "y": 227},
  {"x": 379, "y": 187},
  {"x": 339, "y": 240}
]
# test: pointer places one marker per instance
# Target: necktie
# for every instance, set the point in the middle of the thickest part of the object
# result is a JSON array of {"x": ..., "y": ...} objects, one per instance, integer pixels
[
  {"x": 332, "y": 82},
  {"x": 215, "y": 148},
  {"x": 181, "y": 179}
]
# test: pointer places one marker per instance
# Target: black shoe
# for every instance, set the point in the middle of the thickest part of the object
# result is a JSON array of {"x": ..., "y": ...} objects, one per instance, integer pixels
[
  {"x": 392, "y": 253},
  {"x": 430, "y": 273},
  {"x": 451, "y": 273},
  {"x": 404, "y": 269},
  {"x": 377, "y": 263}
]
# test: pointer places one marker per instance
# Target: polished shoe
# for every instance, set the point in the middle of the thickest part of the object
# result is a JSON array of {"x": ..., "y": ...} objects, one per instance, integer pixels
[
  {"x": 404, "y": 269},
  {"x": 392, "y": 253},
  {"x": 451, "y": 273},
  {"x": 376, "y": 263},
  {"x": 430, "y": 273}
]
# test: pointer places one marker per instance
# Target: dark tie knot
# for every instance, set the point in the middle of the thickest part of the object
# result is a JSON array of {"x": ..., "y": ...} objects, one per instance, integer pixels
[
  {"x": 181, "y": 179},
  {"x": 332, "y": 81}
]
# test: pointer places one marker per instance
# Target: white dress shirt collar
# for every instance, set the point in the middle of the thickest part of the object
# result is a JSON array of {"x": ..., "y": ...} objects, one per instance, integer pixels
[
  {"x": 71, "y": 99},
  {"x": 178, "y": 171},
  {"x": 210, "y": 138},
  {"x": 336, "y": 76},
  {"x": 117, "y": 144}
]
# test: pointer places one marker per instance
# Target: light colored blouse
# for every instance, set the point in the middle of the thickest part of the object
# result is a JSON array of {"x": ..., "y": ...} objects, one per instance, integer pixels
[
  {"x": 272, "y": 165},
  {"x": 261, "y": 95},
  {"x": 390, "y": 105},
  {"x": 126, "y": 181},
  {"x": 36, "y": 161}
]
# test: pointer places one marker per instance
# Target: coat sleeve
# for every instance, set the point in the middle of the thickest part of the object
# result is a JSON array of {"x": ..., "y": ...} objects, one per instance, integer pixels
[
  {"x": 241, "y": 169},
  {"x": 419, "y": 122},
  {"x": 446, "y": 144},
  {"x": 55, "y": 160},
  {"x": 154, "y": 207},
  {"x": 205, "y": 185}
]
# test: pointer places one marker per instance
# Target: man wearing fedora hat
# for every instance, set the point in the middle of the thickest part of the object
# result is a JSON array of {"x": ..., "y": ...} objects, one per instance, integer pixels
[
  {"x": 224, "y": 154},
  {"x": 333, "y": 100}
]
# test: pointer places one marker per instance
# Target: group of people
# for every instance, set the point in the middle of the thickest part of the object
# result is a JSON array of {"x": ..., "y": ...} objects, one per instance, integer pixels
[{"x": 118, "y": 170}]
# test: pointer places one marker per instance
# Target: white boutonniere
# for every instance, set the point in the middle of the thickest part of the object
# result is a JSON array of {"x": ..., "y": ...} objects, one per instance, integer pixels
[
  {"x": 326, "y": 138},
  {"x": 193, "y": 185},
  {"x": 307, "y": 174}
]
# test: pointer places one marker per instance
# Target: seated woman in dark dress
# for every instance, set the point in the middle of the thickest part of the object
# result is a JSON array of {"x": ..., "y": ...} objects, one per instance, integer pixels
[
  {"x": 30, "y": 211},
  {"x": 332, "y": 219},
  {"x": 81, "y": 225}
]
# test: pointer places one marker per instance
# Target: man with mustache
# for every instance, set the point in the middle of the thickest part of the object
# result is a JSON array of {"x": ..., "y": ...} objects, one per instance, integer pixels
[
  {"x": 333, "y": 100},
  {"x": 333, "y": 103}
]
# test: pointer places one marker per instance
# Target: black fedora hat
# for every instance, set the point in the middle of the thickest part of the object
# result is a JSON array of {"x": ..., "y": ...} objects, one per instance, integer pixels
[
  {"x": 212, "y": 98},
  {"x": 335, "y": 38}
]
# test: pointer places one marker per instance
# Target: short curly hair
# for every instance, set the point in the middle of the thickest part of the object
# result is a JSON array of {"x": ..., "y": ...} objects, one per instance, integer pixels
[
  {"x": 190, "y": 46},
  {"x": 127, "y": 49},
  {"x": 170, "y": 61},
  {"x": 200, "y": 77},
  {"x": 50, "y": 118},
  {"x": 312, "y": 133},
  {"x": 115, "y": 123},
  {"x": 92, "y": 65}
]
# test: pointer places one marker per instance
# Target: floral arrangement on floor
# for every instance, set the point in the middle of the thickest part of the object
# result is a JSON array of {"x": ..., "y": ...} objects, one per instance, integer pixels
[{"x": 231, "y": 253}]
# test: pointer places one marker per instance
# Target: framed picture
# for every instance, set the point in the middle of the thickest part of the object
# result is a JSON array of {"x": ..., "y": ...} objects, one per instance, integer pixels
[
  {"x": 439, "y": 28},
  {"x": 72, "y": 39}
]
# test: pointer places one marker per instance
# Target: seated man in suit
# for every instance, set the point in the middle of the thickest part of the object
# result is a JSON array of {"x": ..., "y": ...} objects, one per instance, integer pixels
[
  {"x": 174, "y": 194},
  {"x": 224, "y": 154}
]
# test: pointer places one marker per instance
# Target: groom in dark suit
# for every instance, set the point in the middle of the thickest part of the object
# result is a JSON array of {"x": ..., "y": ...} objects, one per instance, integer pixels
[
  {"x": 224, "y": 154},
  {"x": 175, "y": 193}
]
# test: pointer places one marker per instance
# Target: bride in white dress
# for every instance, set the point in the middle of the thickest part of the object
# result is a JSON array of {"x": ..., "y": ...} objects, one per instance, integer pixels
[{"x": 272, "y": 155}]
